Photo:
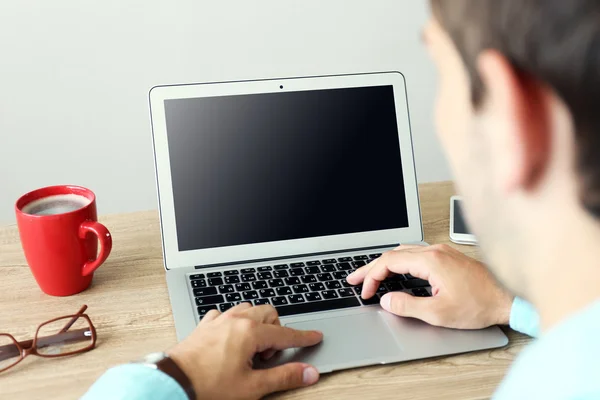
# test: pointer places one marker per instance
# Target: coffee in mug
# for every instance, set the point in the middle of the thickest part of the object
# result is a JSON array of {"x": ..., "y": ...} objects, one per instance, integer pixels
[{"x": 58, "y": 204}]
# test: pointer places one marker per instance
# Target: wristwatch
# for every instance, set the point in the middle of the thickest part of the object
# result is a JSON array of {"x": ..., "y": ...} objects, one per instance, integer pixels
[{"x": 164, "y": 363}]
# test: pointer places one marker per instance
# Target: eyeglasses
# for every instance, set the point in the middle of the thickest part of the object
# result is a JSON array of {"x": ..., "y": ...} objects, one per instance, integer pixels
[{"x": 59, "y": 337}]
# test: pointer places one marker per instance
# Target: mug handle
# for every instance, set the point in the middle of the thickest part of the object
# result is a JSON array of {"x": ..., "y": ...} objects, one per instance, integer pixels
[{"x": 105, "y": 240}]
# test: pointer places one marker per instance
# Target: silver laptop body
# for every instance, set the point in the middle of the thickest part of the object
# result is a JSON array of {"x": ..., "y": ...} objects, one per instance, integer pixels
[{"x": 272, "y": 191}]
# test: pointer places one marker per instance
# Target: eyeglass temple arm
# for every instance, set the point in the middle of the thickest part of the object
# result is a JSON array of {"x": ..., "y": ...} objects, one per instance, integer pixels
[{"x": 8, "y": 351}]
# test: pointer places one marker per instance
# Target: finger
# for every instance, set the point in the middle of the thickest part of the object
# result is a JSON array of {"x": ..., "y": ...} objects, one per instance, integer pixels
[
  {"x": 210, "y": 316},
  {"x": 405, "y": 305},
  {"x": 272, "y": 337},
  {"x": 416, "y": 262},
  {"x": 238, "y": 309},
  {"x": 358, "y": 276},
  {"x": 285, "y": 377},
  {"x": 265, "y": 314}
]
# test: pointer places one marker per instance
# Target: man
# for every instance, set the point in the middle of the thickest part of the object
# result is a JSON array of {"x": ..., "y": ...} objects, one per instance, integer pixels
[{"x": 516, "y": 113}]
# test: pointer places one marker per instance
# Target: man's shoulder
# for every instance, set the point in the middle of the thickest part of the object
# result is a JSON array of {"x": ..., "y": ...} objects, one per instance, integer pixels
[{"x": 561, "y": 364}]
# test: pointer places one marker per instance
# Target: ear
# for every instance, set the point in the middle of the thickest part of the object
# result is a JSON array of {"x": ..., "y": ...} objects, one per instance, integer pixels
[{"x": 518, "y": 107}]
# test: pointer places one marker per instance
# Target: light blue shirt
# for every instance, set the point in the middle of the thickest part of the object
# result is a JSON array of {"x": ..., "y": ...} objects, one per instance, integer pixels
[{"x": 563, "y": 364}]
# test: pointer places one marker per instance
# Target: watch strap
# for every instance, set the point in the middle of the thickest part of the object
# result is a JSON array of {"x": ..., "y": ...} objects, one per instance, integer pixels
[{"x": 170, "y": 367}]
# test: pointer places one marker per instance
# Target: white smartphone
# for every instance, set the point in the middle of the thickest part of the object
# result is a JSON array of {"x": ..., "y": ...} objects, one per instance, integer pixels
[{"x": 459, "y": 231}]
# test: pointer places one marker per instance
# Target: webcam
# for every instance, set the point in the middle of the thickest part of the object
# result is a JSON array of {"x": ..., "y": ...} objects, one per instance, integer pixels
[{"x": 281, "y": 87}]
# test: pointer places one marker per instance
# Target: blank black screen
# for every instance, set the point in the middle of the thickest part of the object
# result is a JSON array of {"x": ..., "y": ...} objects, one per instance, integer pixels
[
  {"x": 460, "y": 226},
  {"x": 280, "y": 166}
]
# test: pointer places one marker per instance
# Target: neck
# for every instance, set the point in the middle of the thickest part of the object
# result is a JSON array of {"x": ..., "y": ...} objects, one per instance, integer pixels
[{"x": 567, "y": 269}]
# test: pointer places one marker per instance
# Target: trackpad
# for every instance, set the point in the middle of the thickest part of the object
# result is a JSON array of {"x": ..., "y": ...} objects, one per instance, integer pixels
[{"x": 349, "y": 341}]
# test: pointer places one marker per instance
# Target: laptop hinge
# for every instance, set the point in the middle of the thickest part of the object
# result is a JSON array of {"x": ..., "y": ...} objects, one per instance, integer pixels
[{"x": 298, "y": 256}]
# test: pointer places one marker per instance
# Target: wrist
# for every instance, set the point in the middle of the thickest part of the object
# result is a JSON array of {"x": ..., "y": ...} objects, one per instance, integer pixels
[
  {"x": 504, "y": 308},
  {"x": 188, "y": 367}
]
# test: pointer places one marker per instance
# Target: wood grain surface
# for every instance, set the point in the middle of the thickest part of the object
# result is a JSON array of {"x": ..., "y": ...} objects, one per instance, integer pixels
[{"x": 129, "y": 305}]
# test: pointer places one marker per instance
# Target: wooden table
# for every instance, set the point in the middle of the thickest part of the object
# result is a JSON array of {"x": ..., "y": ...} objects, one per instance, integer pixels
[{"x": 129, "y": 305}]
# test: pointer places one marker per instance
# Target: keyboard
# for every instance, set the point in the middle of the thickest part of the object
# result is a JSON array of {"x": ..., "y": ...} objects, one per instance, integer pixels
[{"x": 295, "y": 288}]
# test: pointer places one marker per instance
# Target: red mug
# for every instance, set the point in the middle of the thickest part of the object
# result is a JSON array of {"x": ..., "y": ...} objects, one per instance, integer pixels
[{"x": 60, "y": 235}]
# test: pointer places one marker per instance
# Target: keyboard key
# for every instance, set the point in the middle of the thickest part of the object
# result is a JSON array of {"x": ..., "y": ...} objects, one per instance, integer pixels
[
  {"x": 358, "y": 290},
  {"x": 261, "y": 302},
  {"x": 346, "y": 292},
  {"x": 333, "y": 285},
  {"x": 296, "y": 298},
  {"x": 358, "y": 264},
  {"x": 415, "y": 283},
  {"x": 214, "y": 274},
  {"x": 281, "y": 274},
  {"x": 297, "y": 265},
  {"x": 207, "y": 291},
  {"x": 316, "y": 287},
  {"x": 346, "y": 284},
  {"x": 328, "y": 268},
  {"x": 309, "y": 279},
  {"x": 278, "y": 301},
  {"x": 313, "y": 270},
  {"x": 199, "y": 283},
  {"x": 283, "y": 291},
  {"x": 232, "y": 272},
  {"x": 276, "y": 282},
  {"x": 382, "y": 290},
  {"x": 232, "y": 279},
  {"x": 215, "y": 281},
  {"x": 208, "y": 300},
  {"x": 340, "y": 275},
  {"x": 329, "y": 261},
  {"x": 397, "y": 278},
  {"x": 233, "y": 297},
  {"x": 313, "y": 263},
  {"x": 300, "y": 289},
  {"x": 421, "y": 292},
  {"x": 248, "y": 271},
  {"x": 203, "y": 310},
  {"x": 375, "y": 255},
  {"x": 263, "y": 276},
  {"x": 196, "y": 276},
  {"x": 344, "y": 267},
  {"x": 248, "y": 278},
  {"x": 292, "y": 281},
  {"x": 316, "y": 306},
  {"x": 409, "y": 276},
  {"x": 394, "y": 286},
  {"x": 324, "y": 277},
  {"x": 370, "y": 302},
  {"x": 259, "y": 285},
  {"x": 250, "y": 295},
  {"x": 358, "y": 258},
  {"x": 297, "y": 272},
  {"x": 226, "y": 289},
  {"x": 264, "y": 269},
  {"x": 315, "y": 296},
  {"x": 266, "y": 293},
  {"x": 329, "y": 294},
  {"x": 242, "y": 287},
  {"x": 345, "y": 259},
  {"x": 226, "y": 306},
  {"x": 280, "y": 267}
]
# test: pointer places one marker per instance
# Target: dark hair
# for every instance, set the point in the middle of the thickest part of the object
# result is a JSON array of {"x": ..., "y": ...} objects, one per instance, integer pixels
[{"x": 557, "y": 42}]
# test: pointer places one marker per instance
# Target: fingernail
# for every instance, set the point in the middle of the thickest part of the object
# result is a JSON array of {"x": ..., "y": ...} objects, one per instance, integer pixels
[
  {"x": 386, "y": 302},
  {"x": 310, "y": 376}
]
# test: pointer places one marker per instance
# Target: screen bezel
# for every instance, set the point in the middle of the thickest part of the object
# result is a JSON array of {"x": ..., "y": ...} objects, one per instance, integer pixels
[
  {"x": 455, "y": 237},
  {"x": 174, "y": 258}
]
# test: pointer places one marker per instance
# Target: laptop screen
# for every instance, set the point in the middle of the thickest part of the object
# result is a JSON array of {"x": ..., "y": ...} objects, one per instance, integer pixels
[{"x": 269, "y": 167}]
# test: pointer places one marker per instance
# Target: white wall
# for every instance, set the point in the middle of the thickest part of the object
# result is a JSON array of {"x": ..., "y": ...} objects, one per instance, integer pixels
[{"x": 74, "y": 77}]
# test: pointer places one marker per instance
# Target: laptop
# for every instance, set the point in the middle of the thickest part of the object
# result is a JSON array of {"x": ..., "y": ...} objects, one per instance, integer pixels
[{"x": 273, "y": 191}]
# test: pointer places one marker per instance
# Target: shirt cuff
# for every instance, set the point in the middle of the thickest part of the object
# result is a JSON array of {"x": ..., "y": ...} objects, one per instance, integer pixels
[
  {"x": 524, "y": 318},
  {"x": 133, "y": 382}
]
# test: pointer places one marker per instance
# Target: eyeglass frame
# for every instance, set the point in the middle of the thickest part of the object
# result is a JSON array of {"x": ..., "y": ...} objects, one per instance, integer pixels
[{"x": 30, "y": 347}]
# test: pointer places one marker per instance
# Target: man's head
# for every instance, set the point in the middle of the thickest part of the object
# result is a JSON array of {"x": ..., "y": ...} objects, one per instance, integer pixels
[{"x": 518, "y": 113}]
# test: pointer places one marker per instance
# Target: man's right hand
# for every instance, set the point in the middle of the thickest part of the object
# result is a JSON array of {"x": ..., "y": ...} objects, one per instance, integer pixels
[
  {"x": 465, "y": 294},
  {"x": 217, "y": 357}
]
